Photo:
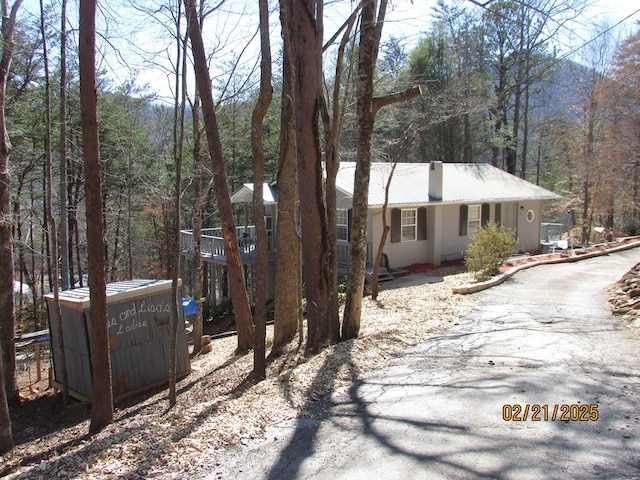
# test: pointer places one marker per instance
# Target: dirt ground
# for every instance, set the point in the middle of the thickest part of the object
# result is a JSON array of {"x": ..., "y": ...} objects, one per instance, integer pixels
[{"x": 218, "y": 403}]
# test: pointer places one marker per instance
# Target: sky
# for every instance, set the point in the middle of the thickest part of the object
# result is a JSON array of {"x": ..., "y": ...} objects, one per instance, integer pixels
[{"x": 139, "y": 39}]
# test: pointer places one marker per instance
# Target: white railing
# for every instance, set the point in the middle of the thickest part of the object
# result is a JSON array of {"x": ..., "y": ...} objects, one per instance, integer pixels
[
  {"x": 212, "y": 241},
  {"x": 212, "y": 244},
  {"x": 344, "y": 253}
]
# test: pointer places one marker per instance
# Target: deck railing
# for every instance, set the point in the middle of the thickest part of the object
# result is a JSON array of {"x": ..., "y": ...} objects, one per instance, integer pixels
[
  {"x": 212, "y": 241},
  {"x": 212, "y": 244},
  {"x": 344, "y": 254}
]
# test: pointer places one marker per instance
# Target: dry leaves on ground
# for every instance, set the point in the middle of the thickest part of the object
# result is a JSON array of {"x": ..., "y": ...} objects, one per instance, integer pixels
[
  {"x": 217, "y": 403},
  {"x": 625, "y": 297}
]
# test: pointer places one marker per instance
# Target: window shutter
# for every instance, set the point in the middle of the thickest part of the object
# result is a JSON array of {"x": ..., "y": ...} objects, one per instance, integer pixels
[
  {"x": 422, "y": 223},
  {"x": 396, "y": 227},
  {"x": 464, "y": 217},
  {"x": 349, "y": 222},
  {"x": 498, "y": 213},
  {"x": 485, "y": 214}
]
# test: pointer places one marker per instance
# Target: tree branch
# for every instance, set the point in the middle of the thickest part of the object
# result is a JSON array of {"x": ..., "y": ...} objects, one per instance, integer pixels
[{"x": 379, "y": 102}]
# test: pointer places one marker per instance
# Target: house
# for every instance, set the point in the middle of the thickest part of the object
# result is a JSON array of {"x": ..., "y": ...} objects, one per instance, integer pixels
[{"x": 433, "y": 210}]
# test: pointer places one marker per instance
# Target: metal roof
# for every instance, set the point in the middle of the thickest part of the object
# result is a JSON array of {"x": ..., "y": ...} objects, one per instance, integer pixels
[
  {"x": 245, "y": 194},
  {"x": 80, "y": 299},
  {"x": 461, "y": 183}
]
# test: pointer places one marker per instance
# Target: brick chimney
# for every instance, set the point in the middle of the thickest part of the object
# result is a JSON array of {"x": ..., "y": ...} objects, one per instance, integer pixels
[{"x": 435, "y": 181}]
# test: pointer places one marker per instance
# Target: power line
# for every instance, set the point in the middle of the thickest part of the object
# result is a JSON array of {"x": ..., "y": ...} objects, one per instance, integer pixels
[{"x": 604, "y": 32}]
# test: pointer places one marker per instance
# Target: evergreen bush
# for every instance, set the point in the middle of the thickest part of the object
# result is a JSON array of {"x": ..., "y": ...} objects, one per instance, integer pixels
[
  {"x": 632, "y": 227},
  {"x": 490, "y": 247}
]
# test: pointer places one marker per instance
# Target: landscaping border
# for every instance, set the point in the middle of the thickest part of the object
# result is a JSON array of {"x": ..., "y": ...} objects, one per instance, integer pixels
[{"x": 498, "y": 279}]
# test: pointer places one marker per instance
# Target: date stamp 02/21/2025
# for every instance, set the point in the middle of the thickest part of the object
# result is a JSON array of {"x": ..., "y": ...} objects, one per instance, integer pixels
[{"x": 576, "y": 412}]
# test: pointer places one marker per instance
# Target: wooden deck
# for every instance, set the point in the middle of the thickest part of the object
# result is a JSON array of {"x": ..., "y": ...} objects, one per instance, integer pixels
[{"x": 213, "y": 248}]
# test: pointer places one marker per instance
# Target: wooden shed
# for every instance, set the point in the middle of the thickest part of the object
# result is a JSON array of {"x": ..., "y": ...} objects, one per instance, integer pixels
[{"x": 139, "y": 313}]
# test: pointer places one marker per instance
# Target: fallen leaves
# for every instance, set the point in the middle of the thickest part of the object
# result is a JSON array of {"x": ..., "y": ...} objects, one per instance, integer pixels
[
  {"x": 219, "y": 406},
  {"x": 625, "y": 297}
]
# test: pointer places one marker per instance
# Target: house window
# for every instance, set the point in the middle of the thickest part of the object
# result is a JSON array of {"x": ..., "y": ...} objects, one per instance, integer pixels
[
  {"x": 408, "y": 225},
  {"x": 342, "y": 222},
  {"x": 530, "y": 215},
  {"x": 473, "y": 219}
]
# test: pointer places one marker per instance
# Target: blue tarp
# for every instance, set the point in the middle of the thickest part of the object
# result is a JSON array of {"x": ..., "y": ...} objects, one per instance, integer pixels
[{"x": 190, "y": 307}]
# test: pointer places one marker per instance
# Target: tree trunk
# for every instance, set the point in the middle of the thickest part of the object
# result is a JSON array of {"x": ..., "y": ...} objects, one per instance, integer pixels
[
  {"x": 383, "y": 238},
  {"x": 240, "y": 300},
  {"x": 7, "y": 314},
  {"x": 287, "y": 301},
  {"x": 64, "y": 211},
  {"x": 369, "y": 40},
  {"x": 178, "y": 149},
  {"x": 333, "y": 129},
  {"x": 6, "y": 438},
  {"x": 312, "y": 208},
  {"x": 102, "y": 395},
  {"x": 53, "y": 234},
  {"x": 262, "y": 245},
  {"x": 197, "y": 224}
]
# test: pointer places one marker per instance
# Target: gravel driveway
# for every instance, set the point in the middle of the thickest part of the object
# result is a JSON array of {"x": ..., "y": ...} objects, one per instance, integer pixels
[{"x": 544, "y": 344}]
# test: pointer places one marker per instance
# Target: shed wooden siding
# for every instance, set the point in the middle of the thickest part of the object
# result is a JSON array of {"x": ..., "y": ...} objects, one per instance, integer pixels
[
  {"x": 76, "y": 348},
  {"x": 138, "y": 338},
  {"x": 139, "y": 341}
]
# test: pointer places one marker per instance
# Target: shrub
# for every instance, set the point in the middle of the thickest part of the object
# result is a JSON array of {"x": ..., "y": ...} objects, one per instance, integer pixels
[
  {"x": 632, "y": 227},
  {"x": 490, "y": 247}
]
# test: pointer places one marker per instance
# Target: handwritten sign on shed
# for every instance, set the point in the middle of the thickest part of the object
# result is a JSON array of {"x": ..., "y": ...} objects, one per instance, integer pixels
[{"x": 139, "y": 313}]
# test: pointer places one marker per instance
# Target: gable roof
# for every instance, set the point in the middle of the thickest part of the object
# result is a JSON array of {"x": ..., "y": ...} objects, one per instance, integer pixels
[
  {"x": 245, "y": 194},
  {"x": 461, "y": 183}
]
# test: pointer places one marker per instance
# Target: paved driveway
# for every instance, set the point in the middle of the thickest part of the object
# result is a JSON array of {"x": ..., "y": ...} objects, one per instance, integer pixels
[{"x": 545, "y": 337}]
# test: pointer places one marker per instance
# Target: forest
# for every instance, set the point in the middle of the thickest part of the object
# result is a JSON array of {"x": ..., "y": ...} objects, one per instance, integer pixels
[{"x": 485, "y": 83}]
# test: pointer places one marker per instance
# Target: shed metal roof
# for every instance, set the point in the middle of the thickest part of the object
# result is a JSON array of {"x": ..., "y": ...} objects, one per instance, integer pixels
[
  {"x": 461, "y": 183},
  {"x": 80, "y": 299}
]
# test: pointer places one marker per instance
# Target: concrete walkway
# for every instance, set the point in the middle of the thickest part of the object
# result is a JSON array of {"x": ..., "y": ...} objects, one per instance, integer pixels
[{"x": 544, "y": 337}]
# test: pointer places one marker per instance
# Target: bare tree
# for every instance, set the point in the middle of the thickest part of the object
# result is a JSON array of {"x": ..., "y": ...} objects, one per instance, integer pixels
[
  {"x": 178, "y": 153},
  {"x": 197, "y": 223},
  {"x": 598, "y": 55},
  {"x": 369, "y": 40},
  {"x": 51, "y": 221},
  {"x": 367, "y": 107},
  {"x": 102, "y": 395},
  {"x": 288, "y": 281},
  {"x": 306, "y": 45},
  {"x": 240, "y": 299},
  {"x": 333, "y": 121},
  {"x": 64, "y": 211},
  {"x": 7, "y": 314},
  {"x": 383, "y": 237},
  {"x": 262, "y": 246}
]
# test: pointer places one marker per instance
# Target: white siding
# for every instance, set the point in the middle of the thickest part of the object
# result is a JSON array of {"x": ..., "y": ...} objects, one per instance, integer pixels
[
  {"x": 453, "y": 245},
  {"x": 529, "y": 231},
  {"x": 400, "y": 254}
]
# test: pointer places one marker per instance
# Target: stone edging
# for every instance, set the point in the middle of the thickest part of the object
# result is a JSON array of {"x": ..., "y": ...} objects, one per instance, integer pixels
[{"x": 498, "y": 279}]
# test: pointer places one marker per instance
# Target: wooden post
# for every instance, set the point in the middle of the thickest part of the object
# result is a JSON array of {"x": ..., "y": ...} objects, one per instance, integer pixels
[
  {"x": 38, "y": 362},
  {"x": 214, "y": 284},
  {"x": 182, "y": 269}
]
